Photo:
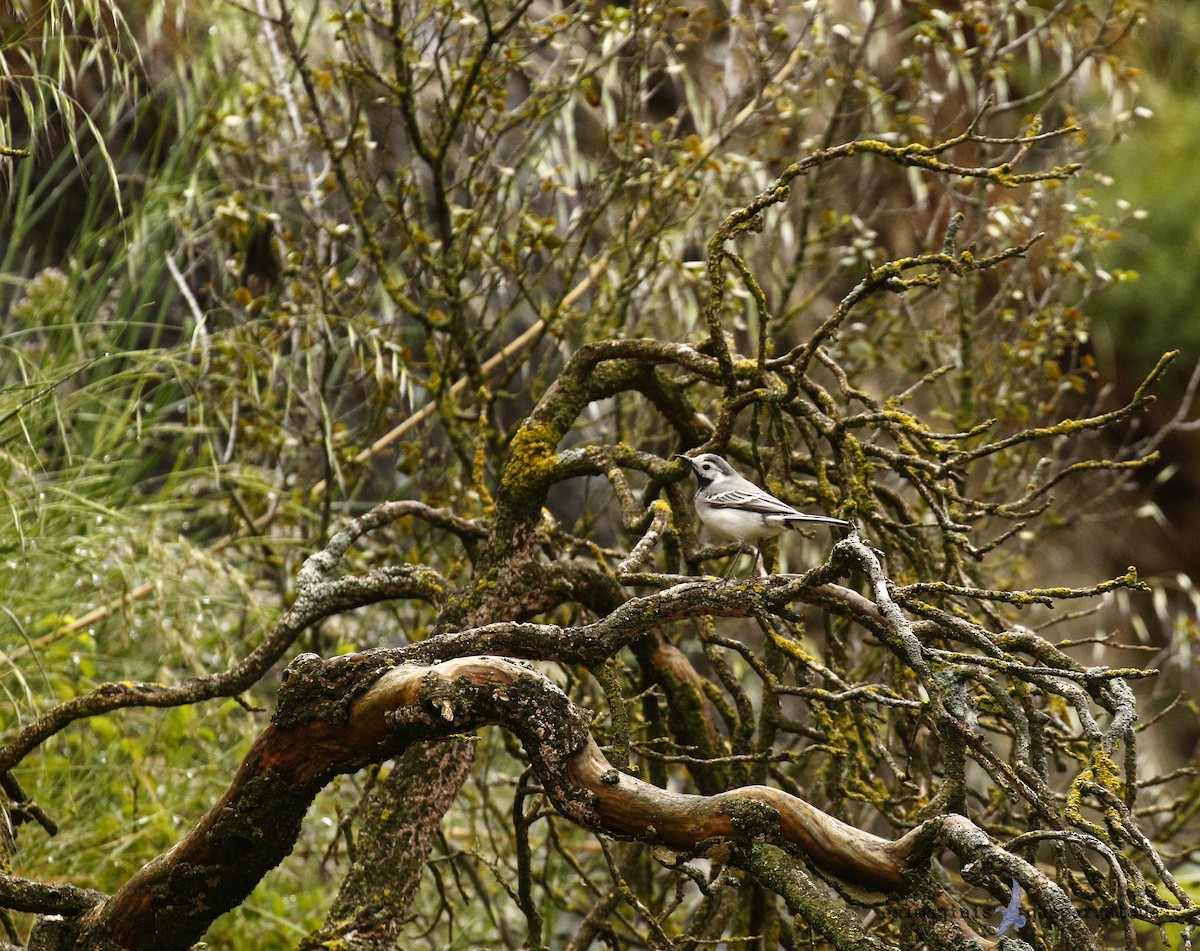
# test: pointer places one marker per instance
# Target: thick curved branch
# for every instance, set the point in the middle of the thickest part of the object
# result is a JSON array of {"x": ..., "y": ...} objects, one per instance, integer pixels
[
  {"x": 316, "y": 734},
  {"x": 335, "y": 720}
]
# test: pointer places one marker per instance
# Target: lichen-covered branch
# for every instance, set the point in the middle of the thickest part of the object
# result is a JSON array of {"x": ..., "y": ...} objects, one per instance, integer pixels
[{"x": 170, "y": 902}]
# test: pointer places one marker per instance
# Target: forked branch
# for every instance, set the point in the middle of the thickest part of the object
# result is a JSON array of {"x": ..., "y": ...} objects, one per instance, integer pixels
[{"x": 171, "y": 902}]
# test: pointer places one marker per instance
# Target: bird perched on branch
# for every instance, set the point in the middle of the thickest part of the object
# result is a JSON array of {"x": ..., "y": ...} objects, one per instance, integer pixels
[{"x": 737, "y": 509}]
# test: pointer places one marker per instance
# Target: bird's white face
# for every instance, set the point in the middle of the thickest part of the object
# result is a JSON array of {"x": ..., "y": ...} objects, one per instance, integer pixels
[{"x": 709, "y": 467}]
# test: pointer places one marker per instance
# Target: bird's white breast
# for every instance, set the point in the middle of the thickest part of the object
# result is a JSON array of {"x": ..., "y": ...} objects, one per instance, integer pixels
[{"x": 739, "y": 525}]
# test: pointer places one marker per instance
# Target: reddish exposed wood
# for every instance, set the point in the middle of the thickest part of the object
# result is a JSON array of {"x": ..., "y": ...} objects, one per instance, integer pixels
[
  {"x": 629, "y": 806},
  {"x": 172, "y": 900}
]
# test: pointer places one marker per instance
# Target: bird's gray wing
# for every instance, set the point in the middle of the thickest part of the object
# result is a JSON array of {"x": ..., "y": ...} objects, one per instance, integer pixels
[{"x": 751, "y": 501}]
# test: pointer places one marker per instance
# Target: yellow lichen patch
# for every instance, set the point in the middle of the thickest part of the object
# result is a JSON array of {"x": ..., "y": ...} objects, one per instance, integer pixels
[
  {"x": 531, "y": 457},
  {"x": 1101, "y": 771}
]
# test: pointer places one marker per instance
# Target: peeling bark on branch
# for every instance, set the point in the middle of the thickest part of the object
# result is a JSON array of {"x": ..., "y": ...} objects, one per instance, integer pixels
[{"x": 172, "y": 900}]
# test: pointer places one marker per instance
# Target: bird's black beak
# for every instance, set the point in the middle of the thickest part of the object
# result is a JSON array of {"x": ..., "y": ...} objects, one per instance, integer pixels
[{"x": 687, "y": 459}]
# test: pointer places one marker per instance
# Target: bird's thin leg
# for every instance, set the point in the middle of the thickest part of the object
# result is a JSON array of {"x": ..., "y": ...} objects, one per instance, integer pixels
[{"x": 733, "y": 561}]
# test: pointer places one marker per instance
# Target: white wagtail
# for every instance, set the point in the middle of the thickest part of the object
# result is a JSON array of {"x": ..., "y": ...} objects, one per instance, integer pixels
[{"x": 737, "y": 509}]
